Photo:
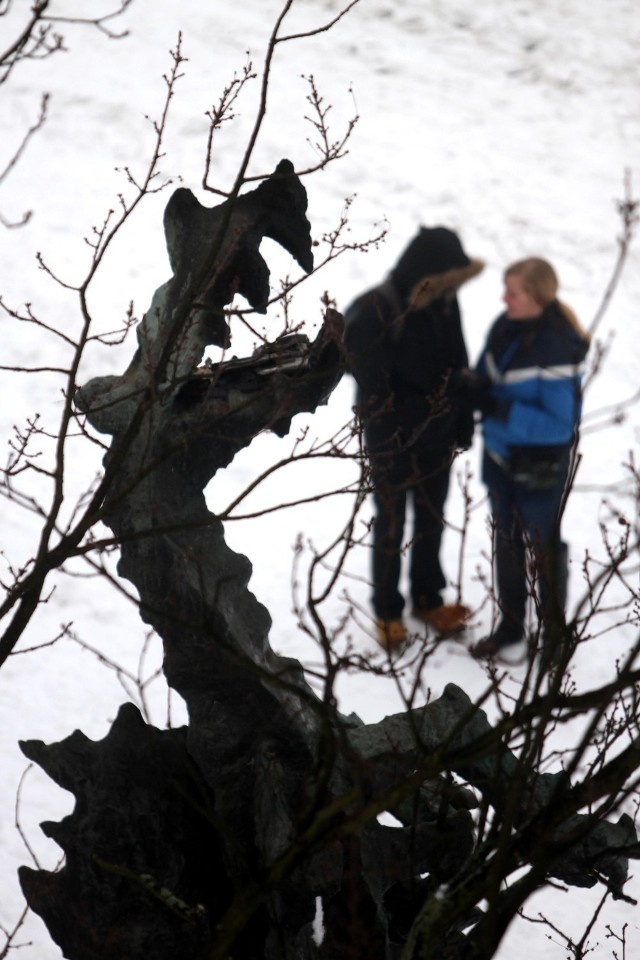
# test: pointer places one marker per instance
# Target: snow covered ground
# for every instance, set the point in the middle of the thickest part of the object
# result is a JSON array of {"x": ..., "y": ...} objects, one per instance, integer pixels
[{"x": 512, "y": 123}]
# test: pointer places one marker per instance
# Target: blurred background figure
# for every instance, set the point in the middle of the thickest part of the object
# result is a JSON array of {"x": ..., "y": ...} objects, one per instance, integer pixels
[{"x": 405, "y": 345}]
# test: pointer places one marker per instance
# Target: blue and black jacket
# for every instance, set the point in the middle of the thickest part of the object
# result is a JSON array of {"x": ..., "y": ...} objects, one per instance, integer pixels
[{"x": 535, "y": 368}]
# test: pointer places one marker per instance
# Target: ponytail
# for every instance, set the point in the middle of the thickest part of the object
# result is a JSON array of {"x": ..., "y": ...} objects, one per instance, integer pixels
[{"x": 571, "y": 317}]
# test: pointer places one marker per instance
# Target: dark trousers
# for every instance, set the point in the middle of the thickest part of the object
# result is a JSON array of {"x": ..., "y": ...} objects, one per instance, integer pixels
[
  {"x": 397, "y": 480},
  {"x": 528, "y": 520}
]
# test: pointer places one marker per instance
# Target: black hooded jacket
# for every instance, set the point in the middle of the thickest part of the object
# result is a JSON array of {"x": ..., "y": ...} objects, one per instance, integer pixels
[{"x": 404, "y": 341}]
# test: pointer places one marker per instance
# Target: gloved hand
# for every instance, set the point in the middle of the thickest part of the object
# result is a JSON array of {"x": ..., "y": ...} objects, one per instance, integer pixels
[{"x": 475, "y": 389}]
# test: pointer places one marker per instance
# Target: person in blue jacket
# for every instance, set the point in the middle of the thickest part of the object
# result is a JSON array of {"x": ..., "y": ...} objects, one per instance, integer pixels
[
  {"x": 404, "y": 344},
  {"x": 527, "y": 385}
]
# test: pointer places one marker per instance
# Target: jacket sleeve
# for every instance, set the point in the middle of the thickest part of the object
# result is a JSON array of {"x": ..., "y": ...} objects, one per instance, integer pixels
[
  {"x": 459, "y": 347},
  {"x": 465, "y": 423},
  {"x": 465, "y": 427},
  {"x": 368, "y": 349}
]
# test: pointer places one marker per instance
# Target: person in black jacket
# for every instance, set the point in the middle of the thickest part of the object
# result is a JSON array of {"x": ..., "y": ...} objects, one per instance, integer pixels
[{"x": 404, "y": 342}]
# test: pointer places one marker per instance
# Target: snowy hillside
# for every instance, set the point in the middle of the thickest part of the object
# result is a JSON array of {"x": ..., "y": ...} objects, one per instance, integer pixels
[{"x": 512, "y": 123}]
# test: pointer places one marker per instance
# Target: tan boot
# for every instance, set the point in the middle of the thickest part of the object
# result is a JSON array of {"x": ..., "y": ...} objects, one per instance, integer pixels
[
  {"x": 391, "y": 634},
  {"x": 447, "y": 619}
]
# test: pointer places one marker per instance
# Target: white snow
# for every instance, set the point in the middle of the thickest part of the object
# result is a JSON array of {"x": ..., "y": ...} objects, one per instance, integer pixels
[{"x": 512, "y": 123}]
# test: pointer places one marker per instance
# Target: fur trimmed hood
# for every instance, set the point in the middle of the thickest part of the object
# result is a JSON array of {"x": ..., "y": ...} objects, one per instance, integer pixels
[
  {"x": 433, "y": 263},
  {"x": 431, "y": 287}
]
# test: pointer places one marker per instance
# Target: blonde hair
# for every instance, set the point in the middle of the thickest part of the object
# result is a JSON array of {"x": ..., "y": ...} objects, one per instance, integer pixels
[{"x": 540, "y": 281}]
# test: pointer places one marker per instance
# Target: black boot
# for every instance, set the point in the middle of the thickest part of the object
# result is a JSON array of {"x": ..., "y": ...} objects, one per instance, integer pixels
[
  {"x": 506, "y": 634},
  {"x": 553, "y": 599},
  {"x": 512, "y": 597},
  {"x": 511, "y": 577}
]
